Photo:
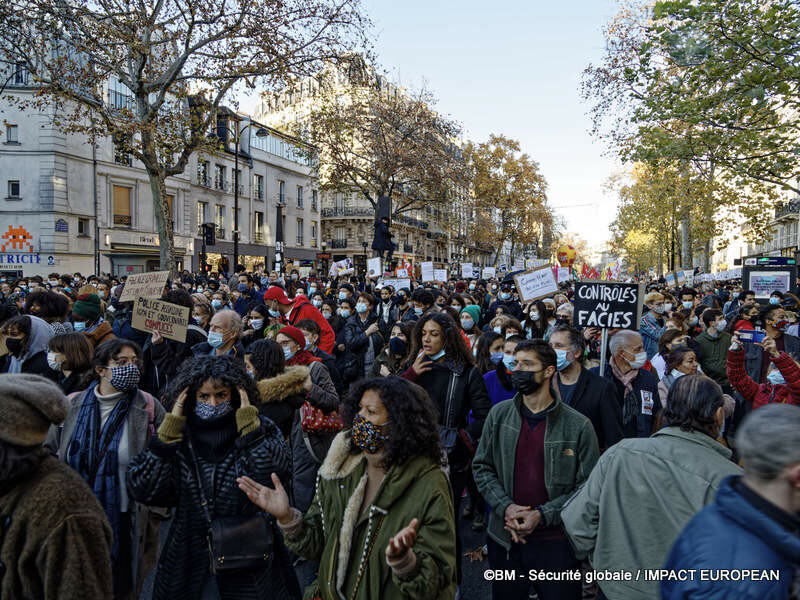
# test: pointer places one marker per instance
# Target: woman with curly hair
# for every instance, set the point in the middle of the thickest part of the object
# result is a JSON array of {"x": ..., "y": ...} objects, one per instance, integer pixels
[
  {"x": 212, "y": 436},
  {"x": 50, "y": 307},
  {"x": 382, "y": 523},
  {"x": 443, "y": 367},
  {"x": 281, "y": 389}
]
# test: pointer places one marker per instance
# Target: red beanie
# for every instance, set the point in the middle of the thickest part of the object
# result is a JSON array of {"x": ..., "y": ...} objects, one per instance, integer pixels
[{"x": 295, "y": 334}]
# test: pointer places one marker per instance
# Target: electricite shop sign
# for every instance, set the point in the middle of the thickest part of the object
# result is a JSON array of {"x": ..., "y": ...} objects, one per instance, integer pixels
[
  {"x": 20, "y": 259},
  {"x": 608, "y": 305}
]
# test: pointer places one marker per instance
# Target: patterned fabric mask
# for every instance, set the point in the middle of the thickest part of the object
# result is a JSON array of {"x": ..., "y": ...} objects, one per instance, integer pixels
[
  {"x": 367, "y": 436},
  {"x": 207, "y": 411},
  {"x": 125, "y": 379}
]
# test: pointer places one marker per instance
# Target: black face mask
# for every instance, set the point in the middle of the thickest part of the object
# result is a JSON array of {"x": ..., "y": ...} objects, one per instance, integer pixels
[
  {"x": 14, "y": 345},
  {"x": 525, "y": 382}
]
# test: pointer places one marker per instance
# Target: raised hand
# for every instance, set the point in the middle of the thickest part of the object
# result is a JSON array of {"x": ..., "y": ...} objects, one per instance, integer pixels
[
  {"x": 275, "y": 502},
  {"x": 402, "y": 542},
  {"x": 243, "y": 397},
  {"x": 421, "y": 365},
  {"x": 177, "y": 408}
]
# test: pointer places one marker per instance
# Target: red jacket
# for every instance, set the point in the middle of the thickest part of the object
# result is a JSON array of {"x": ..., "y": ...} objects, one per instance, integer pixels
[
  {"x": 303, "y": 309},
  {"x": 765, "y": 393}
]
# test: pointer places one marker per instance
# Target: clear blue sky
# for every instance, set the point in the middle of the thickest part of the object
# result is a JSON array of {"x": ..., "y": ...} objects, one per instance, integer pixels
[{"x": 511, "y": 67}]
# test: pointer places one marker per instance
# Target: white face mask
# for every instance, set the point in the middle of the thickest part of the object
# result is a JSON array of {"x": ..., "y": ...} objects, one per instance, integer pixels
[
  {"x": 638, "y": 361},
  {"x": 52, "y": 362}
]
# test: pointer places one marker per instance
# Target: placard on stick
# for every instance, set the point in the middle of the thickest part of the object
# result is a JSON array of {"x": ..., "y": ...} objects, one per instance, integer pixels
[
  {"x": 170, "y": 320},
  {"x": 427, "y": 271},
  {"x": 608, "y": 304},
  {"x": 374, "y": 267},
  {"x": 466, "y": 271},
  {"x": 535, "y": 284},
  {"x": 440, "y": 275},
  {"x": 144, "y": 285}
]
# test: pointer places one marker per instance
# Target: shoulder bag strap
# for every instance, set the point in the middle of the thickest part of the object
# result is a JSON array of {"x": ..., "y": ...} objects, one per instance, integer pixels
[
  {"x": 203, "y": 500},
  {"x": 296, "y": 314}
]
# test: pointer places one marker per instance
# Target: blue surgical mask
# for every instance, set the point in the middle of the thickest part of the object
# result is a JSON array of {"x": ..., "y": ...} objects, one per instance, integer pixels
[
  {"x": 774, "y": 300},
  {"x": 215, "y": 339},
  {"x": 79, "y": 325},
  {"x": 316, "y": 303},
  {"x": 264, "y": 281},
  {"x": 472, "y": 287},
  {"x": 216, "y": 303},
  {"x": 312, "y": 290},
  {"x": 509, "y": 362},
  {"x": 437, "y": 356},
  {"x": 327, "y": 315},
  {"x": 504, "y": 296},
  {"x": 287, "y": 353},
  {"x": 497, "y": 330},
  {"x": 257, "y": 323},
  {"x": 775, "y": 377},
  {"x": 561, "y": 360},
  {"x": 496, "y": 357},
  {"x": 693, "y": 321},
  {"x": 688, "y": 304},
  {"x": 676, "y": 374},
  {"x": 735, "y": 295},
  {"x": 273, "y": 313},
  {"x": 344, "y": 313},
  {"x": 418, "y": 311},
  {"x": 342, "y": 295},
  {"x": 467, "y": 324},
  {"x": 242, "y": 287},
  {"x": 361, "y": 308}
]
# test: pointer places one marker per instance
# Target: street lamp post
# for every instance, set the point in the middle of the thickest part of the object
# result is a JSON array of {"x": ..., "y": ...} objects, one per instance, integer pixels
[
  {"x": 324, "y": 261},
  {"x": 279, "y": 239},
  {"x": 364, "y": 245},
  {"x": 237, "y": 136}
]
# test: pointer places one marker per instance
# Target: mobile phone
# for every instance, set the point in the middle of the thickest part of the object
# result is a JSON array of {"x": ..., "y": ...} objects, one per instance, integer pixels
[{"x": 755, "y": 337}]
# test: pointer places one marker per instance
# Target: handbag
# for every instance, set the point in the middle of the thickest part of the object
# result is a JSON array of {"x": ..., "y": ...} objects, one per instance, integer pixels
[
  {"x": 315, "y": 421},
  {"x": 237, "y": 542}
]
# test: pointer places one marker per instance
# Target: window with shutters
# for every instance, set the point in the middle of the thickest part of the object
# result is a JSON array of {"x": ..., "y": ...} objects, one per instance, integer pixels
[
  {"x": 202, "y": 215},
  {"x": 299, "y": 232},
  {"x": 171, "y": 203},
  {"x": 122, "y": 206}
]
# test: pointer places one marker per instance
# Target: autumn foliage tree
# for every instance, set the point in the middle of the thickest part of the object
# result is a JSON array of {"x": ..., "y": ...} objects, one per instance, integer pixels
[
  {"x": 381, "y": 140},
  {"x": 508, "y": 185},
  {"x": 177, "y": 62}
]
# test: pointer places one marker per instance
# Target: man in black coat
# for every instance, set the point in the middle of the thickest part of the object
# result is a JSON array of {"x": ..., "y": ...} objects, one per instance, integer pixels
[
  {"x": 588, "y": 393},
  {"x": 382, "y": 240}
]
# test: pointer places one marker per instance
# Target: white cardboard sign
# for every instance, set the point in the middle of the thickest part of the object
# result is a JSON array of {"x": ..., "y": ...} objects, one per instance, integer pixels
[{"x": 536, "y": 284}]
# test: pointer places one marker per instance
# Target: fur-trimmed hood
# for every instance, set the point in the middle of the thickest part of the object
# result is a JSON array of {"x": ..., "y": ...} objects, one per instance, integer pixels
[
  {"x": 281, "y": 386},
  {"x": 339, "y": 462}
]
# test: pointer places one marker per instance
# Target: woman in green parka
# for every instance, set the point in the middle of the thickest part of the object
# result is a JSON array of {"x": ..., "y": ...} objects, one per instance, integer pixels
[{"x": 382, "y": 522}]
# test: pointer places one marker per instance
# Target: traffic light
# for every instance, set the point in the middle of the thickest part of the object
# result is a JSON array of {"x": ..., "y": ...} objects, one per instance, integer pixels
[{"x": 209, "y": 234}]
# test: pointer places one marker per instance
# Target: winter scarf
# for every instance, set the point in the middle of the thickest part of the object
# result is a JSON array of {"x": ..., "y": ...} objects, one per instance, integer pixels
[
  {"x": 93, "y": 451},
  {"x": 629, "y": 407},
  {"x": 304, "y": 358}
]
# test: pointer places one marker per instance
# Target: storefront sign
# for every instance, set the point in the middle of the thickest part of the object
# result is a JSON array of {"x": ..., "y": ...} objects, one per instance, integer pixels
[
  {"x": 20, "y": 259},
  {"x": 608, "y": 304},
  {"x": 169, "y": 320},
  {"x": 144, "y": 285}
]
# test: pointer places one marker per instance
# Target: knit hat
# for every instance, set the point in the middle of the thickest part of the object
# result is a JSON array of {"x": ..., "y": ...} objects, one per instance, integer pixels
[
  {"x": 29, "y": 404},
  {"x": 276, "y": 293},
  {"x": 295, "y": 334},
  {"x": 87, "y": 306},
  {"x": 474, "y": 311}
]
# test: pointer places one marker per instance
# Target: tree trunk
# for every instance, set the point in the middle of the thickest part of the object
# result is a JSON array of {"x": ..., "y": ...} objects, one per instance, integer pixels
[
  {"x": 168, "y": 259},
  {"x": 686, "y": 245}
]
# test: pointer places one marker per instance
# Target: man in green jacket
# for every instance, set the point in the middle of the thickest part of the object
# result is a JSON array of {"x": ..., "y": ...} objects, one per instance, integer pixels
[
  {"x": 713, "y": 345},
  {"x": 643, "y": 491},
  {"x": 533, "y": 454}
]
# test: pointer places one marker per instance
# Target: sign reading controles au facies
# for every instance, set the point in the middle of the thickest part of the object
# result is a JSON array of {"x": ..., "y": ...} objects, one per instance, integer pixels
[{"x": 608, "y": 305}]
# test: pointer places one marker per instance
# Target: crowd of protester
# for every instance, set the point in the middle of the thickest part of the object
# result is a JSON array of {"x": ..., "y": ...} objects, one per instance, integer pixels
[{"x": 330, "y": 434}]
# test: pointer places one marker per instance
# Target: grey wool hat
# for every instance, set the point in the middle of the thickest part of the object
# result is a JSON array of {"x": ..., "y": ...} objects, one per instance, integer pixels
[{"x": 29, "y": 404}]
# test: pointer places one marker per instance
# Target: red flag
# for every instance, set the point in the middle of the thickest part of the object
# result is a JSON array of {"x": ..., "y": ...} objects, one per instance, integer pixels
[{"x": 584, "y": 271}]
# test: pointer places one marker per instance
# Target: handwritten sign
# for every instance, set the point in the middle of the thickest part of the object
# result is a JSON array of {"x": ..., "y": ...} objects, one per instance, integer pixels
[
  {"x": 440, "y": 274},
  {"x": 427, "y": 271},
  {"x": 374, "y": 267},
  {"x": 536, "y": 284},
  {"x": 608, "y": 305},
  {"x": 466, "y": 271},
  {"x": 170, "y": 320},
  {"x": 397, "y": 284},
  {"x": 564, "y": 274},
  {"x": 403, "y": 272},
  {"x": 489, "y": 273},
  {"x": 144, "y": 285}
]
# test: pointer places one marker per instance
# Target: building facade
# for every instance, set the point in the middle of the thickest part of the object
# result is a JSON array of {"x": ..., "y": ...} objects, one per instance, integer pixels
[{"x": 71, "y": 205}]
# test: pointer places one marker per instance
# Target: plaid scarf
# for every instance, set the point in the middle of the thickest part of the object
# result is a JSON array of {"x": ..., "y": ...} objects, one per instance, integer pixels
[
  {"x": 629, "y": 405},
  {"x": 93, "y": 450}
]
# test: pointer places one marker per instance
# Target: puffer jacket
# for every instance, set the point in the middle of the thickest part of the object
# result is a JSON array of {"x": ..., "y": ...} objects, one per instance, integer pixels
[
  {"x": 282, "y": 395},
  {"x": 759, "y": 394},
  {"x": 350, "y": 544},
  {"x": 361, "y": 348},
  {"x": 733, "y": 534},
  {"x": 164, "y": 475}
]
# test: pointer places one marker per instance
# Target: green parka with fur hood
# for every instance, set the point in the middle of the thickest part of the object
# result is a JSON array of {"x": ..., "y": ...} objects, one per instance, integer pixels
[{"x": 351, "y": 548}]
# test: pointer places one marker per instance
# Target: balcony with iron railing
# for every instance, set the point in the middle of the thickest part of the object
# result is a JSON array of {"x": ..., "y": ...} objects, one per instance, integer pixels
[
  {"x": 786, "y": 209},
  {"x": 258, "y": 237},
  {"x": 408, "y": 248},
  {"x": 124, "y": 220},
  {"x": 411, "y": 221},
  {"x": 299, "y": 240},
  {"x": 338, "y": 243},
  {"x": 348, "y": 211},
  {"x": 220, "y": 184},
  {"x": 220, "y": 233}
]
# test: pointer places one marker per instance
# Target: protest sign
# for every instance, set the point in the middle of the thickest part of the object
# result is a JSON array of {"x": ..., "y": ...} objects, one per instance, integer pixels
[
  {"x": 466, "y": 271},
  {"x": 427, "y": 271},
  {"x": 144, "y": 285},
  {"x": 564, "y": 274},
  {"x": 397, "y": 284},
  {"x": 489, "y": 273},
  {"x": 374, "y": 267},
  {"x": 341, "y": 267},
  {"x": 536, "y": 284},
  {"x": 608, "y": 304},
  {"x": 440, "y": 274},
  {"x": 403, "y": 272},
  {"x": 519, "y": 264},
  {"x": 670, "y": 279},
  {"x": 170, "y": 320},
  {"x": 763, "y": 283}
]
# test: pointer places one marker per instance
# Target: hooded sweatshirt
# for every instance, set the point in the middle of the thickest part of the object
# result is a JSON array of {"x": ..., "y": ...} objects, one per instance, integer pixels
[{"x": 39, "y": 338}]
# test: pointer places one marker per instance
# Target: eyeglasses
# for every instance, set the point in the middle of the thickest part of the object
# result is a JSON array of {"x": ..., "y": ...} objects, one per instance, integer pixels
[{"x": 123, "y": 361}]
